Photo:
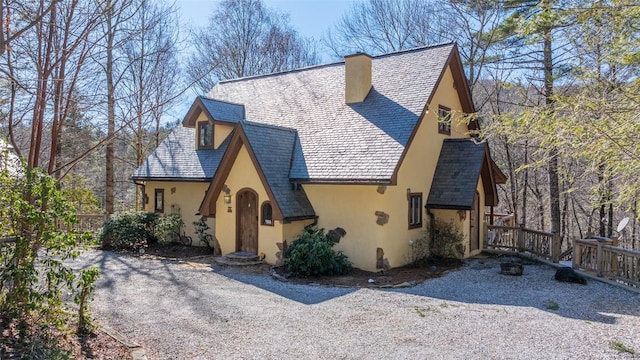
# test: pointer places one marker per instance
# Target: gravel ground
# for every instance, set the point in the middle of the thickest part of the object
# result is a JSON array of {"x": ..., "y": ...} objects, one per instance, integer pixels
[{"x": 194, "y": 311}]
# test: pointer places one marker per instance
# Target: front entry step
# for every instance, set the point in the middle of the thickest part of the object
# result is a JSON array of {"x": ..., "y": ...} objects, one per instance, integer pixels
[{"x": 241, "y": 258}]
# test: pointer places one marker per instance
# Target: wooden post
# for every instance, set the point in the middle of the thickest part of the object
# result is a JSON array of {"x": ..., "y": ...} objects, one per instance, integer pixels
[
  {"x": 520, "y": 244},
  {"x": 575, "y": 259},
  {"x": 555, "y": 247},
  {"x": 599, "y": 260}
]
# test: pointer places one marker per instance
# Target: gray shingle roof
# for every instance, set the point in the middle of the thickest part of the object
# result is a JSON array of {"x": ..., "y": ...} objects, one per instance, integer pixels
[
  {"x": 176, "y": 158},
  {"x": 273, "y": 147},
  {"x": 456, "y": 177},
  {"x": 222, "y": 110},
  {"x": 341, "y": 142}
]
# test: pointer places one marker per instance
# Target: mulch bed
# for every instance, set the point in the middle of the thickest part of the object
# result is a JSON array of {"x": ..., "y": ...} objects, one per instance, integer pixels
[{"x": 411, "y": 274}]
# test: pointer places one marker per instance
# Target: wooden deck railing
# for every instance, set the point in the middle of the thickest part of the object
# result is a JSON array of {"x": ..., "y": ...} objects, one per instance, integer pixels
[
  {"x": 538, "y": 243},
  {"x": 616, "y": 263}
]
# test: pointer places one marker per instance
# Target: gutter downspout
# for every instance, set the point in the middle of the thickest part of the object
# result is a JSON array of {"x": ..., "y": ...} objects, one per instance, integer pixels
[{"x": 314, "y": 223}]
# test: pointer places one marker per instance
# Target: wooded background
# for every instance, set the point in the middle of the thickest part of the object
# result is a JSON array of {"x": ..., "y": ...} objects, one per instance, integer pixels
[{"x": 90, "y": 87}]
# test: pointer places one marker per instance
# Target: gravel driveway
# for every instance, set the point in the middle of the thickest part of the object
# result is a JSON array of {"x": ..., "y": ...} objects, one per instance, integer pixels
[{"x": 186, "y": 311}]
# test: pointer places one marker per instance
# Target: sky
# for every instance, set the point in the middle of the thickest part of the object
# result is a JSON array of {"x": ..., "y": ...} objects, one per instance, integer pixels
[{"x": 311, "y": 18}]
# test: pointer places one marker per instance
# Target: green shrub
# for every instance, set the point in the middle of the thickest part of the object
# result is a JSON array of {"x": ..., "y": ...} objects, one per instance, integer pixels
[
  {"x": 131, "y": 230},
  {"x": 33, "y": 276},
  {"x": 446, "y": 240},
  {"x": 167, "y": 229},
  {"x": 201, "y": 228},
  {"x": 311, "y": 253}
]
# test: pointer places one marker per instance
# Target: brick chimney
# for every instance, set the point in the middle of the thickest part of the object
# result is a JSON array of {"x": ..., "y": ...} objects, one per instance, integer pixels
[{"x": 357, "y": 77}]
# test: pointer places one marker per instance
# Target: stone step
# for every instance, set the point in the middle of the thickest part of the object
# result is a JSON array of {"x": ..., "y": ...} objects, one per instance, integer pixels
[
  {"x": 228, "y": 262},
  {"x": 242, "y": 256}
]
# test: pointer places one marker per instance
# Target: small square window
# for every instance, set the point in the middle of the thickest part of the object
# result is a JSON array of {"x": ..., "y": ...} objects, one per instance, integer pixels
[
  {"x": 444, "y": 120},
  {"x": 205, "y": 134},
  {"x": 415, "y": 210},
  {"x": 159, "y": 201}
]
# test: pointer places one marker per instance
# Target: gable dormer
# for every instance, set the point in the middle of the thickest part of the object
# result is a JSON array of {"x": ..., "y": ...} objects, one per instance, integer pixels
[{"x": 213, "y": 121}]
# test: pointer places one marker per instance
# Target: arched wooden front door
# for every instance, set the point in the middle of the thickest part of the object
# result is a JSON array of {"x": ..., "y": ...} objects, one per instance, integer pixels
[
  {"x": 247, "y": 221},
  {"x": 474, "y": 224}
]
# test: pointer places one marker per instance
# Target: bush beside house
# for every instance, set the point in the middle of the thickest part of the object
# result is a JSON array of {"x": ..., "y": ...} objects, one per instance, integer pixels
[{"x": 311, "y": 253}]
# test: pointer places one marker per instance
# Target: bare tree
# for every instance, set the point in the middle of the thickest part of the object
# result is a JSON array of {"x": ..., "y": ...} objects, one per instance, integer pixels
[
  {"x": 139, "y": 65},
  {"x": 46, "y": 64},
  {"x": 380, "y": 26},
  {"x": 17, "y": 17},
  {"x": 152, "y": 81},
  {"x": 245, "y": 38}
]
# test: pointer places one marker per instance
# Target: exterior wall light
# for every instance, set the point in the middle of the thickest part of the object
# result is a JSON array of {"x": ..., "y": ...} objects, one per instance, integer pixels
[{"x": 227, "y": 194}]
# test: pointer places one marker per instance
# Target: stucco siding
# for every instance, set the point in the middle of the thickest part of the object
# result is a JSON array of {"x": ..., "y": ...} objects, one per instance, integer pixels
[
  {"x": 185, "y": 197},
  {"x": 351, "y": 207},
  {"x": 416, "y": 172},
  {"x": 243, "y": 175}
]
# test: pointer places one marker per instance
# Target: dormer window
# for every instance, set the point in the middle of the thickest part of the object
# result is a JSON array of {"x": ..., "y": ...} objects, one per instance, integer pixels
[{"x": 205, "y": 135}]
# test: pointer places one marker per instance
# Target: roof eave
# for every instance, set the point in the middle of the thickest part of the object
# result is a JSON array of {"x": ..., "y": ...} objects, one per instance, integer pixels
[
  {"x": 325, "y": 181},
  {"x": 172, "y": 179},
  {"x": 447, "y": 207}
]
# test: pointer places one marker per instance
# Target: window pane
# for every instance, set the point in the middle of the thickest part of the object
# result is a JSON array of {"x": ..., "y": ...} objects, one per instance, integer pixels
[
  {"x": 159, "y": 200},
  {"x": 267, "y": 214},
  {"x": 444, "y": 120},
  {"x": 415, "y": 210},
  {"x": 205, "y": 130}
]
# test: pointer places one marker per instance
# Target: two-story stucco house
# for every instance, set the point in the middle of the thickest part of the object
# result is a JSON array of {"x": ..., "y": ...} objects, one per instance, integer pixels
[{"x": 373, "y": 145}]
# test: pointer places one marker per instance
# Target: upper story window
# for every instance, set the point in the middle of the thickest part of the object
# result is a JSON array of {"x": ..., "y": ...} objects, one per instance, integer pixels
[
  {"x": 415, "y": 210},
  {"x": 444, "y": 120},
  {"x": 205, "y": 135},
  {"x": 267, "y": 213},
  {"x": 159, "y": 201}
]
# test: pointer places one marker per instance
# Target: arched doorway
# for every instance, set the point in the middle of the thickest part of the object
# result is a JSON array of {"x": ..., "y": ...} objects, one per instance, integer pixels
[{"x": 247, "y": 221}]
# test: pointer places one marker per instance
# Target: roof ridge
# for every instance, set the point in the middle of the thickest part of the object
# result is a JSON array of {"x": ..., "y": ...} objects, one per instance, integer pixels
[
  {"x": 268, "y": 126},
  {"x": 205, "y": 97},
  {"x": 312, "y": 67},
  {"x": 416, "y": 49},
  {"x": 305, "y": 68}
]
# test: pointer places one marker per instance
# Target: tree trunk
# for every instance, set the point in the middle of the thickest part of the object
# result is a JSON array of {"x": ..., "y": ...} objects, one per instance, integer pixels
[
  {"x": 554, "y": 182},
  {"x": 526, "y": 185},
  {"x": 111, "y": 112}
]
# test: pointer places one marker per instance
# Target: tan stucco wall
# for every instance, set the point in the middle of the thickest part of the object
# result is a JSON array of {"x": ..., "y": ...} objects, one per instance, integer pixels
[
  {"x": 244, "y": 175},
  {"x": 220, "y": 133},
  {"x": 187, "y": 198},
  {"x": 416, "y": 172},
  {"x": 351, "y": 207}
]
